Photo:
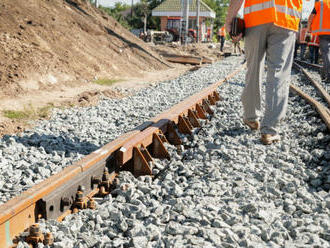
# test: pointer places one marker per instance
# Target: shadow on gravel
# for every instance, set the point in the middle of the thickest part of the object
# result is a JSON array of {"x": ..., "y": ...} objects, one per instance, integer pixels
[
  {"x": 60, "y": 144},
  {"x": 234, "y": 132},
  {"x": 237, "y": 84}
]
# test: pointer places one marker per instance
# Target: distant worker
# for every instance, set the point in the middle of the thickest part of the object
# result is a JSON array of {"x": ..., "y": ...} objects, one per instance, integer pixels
[
  {"x": 270, "y": 29},
  {"x": 302, "y": 42},
  {"x": 319, "y": 24},
  {"x": 313, "y": 46},
  {"x": 221, "y": 37}
]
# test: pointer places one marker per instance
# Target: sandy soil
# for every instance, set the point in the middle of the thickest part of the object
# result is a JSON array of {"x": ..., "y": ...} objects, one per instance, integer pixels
[{"x": 51, "y": 52}]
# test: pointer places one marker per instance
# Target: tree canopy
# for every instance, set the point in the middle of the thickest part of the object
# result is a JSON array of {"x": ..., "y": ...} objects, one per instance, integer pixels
[{"x": 144, "y": 7}]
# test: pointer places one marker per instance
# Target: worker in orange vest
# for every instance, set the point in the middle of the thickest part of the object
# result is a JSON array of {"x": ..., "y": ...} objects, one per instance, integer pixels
[
  {"x": 270, "y": 28},
  {"x": 302, "y": 42},
  {"x": 221, "y": 37},
  {"x": 319, "y": 24},
  {"x": 313, "y": 45}
]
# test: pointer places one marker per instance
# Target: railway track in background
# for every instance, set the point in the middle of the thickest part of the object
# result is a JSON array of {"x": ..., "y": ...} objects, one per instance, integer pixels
[
  {"x": 74, "y": 187},
  {"x": 322, "y": 104}
]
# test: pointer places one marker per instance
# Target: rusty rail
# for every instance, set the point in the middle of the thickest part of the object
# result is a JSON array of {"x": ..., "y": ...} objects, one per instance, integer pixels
[
  {"x": 323, "y": 111},
  {"x": 314, "y": 66},
  {"x": 319, "y": 87},
  {"x": 74, "y": 187}
]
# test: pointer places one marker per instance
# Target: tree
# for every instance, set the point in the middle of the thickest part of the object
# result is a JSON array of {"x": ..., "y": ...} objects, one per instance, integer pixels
[
  {"x": 142, "y": 9},
  {"x": 116, "y": 13}
]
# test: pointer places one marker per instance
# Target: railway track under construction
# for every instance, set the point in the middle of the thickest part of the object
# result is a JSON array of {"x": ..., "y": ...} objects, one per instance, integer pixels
[{"x": 73, "y": 188}]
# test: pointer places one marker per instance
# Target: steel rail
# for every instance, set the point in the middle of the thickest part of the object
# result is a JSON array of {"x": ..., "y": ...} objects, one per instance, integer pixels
[
  {"x": 319, "y": 87},
  {"x": 315, "y": 66},
  {"x": 323, "y": 111},
  {"x": 126, "y": 152}
]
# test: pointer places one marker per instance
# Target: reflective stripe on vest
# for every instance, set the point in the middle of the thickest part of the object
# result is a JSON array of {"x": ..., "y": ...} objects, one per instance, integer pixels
[
  {"x": 314, "y": 41},
  {"x": 321, "y": 20},
  {"x": 282, "y": 13},
  {"x": 271, "y": 4}
]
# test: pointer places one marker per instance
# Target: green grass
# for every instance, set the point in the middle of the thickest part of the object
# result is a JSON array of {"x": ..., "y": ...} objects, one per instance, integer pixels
[
  {"x": 29, "y": 113},
  {"x": 16, "y": 114},
  {"x": 106, "y": 81}
]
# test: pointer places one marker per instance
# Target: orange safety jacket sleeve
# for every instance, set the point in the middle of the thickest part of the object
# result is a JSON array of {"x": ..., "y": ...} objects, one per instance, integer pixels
[{"x": 321, "y": 21}]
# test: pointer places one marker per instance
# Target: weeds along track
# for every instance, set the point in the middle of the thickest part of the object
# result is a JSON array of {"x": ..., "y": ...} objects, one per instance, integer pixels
[{"x": 214, "y": 184}]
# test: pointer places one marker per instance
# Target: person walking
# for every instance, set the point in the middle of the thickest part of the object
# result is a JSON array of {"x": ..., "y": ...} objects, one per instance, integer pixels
[
  {"x": 313, "y": 46},
  {"x": 222, "y": 35},
  {"x": 270, "y": 29},
  {"x": 319, "y": 24}
]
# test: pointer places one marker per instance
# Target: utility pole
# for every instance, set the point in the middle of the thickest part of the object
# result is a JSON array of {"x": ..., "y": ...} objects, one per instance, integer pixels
[
  {"x": 185, "y": 23},
  {"x": 197, "y": 20},
  {"x": 96, "y": 3}
]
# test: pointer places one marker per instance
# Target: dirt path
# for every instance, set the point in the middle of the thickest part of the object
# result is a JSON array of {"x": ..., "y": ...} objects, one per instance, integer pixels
[{"x": 75, "y": 94}]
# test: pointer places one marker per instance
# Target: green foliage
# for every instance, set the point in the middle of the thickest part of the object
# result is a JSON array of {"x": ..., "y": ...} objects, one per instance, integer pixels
[
  {"x": 29, "y": 113},
  {"x": 220, "y": 8},
  {"x": 144, "y": 7},
  {"x": 116, "y": 13}
]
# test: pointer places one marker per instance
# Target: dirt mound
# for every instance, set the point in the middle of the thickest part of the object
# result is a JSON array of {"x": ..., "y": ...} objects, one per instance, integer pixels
[{"x": 43, "y": 43}]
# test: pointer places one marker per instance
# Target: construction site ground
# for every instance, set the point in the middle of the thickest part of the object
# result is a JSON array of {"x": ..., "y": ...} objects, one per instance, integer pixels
[{"x": 53, "y": 52}]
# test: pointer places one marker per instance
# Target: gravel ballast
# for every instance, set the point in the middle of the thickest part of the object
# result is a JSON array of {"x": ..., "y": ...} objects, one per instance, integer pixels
[
  {"x": 300, "y": 80},
  {"x": 52, "y": 145},
  {"x": 224, "y": 189}
]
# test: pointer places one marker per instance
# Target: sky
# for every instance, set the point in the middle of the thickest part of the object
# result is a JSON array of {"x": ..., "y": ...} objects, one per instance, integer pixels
[{"x": 307, "y": 6}]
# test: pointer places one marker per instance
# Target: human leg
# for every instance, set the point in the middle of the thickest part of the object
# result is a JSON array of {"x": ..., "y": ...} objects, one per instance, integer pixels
[
  {"x": 302, "y": 51},
  {"x": 325, "y": 50},
  {"x": 222, "y": 42},
  {"x": 311, "y": 54},
  {"x": 316, "y": 55},
  {"x": 280, "y": 49},
  {"x": 296, "y": 46},
  {"x": 255, "y": 47}
]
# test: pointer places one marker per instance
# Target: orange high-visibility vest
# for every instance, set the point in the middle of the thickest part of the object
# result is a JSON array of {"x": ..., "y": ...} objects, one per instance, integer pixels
[
  {"x": 321, "y": 22},
  {"x": 315, "y": 41},
  {"x": 302, "y": 36},
  {"x": 222, "y": 31},
  {"x": 282, "y": 13}
]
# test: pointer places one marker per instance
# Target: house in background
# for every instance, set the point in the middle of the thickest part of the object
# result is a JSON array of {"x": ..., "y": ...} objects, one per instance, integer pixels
[{"x": 170, "y": 13}]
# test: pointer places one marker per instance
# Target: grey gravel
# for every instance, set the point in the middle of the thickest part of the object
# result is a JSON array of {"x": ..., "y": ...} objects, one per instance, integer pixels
[
  {"x": 52, "y": 145},
  {"x": 222, "y": 188}
]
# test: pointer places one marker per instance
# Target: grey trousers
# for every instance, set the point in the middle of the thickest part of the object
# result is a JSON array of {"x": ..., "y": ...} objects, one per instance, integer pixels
[
  {"x": 325, "y": 50},
  {"x": 277, "y": 44}
]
